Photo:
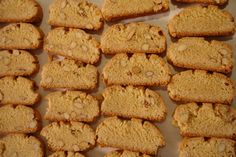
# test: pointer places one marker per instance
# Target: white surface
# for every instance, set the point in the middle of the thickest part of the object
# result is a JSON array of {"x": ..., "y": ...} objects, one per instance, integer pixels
[{"x": 169, "y": 131}]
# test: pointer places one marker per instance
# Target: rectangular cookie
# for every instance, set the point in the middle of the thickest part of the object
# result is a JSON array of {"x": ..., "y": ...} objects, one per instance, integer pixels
[
  {"x": 207, "y": 120},
  {"x": 18, "y": 119},
  {"x": 213, "y": 2},
  {"x": 72, "y": 43},
  {"x": 66, "y": 154},
  {"x": 201, "y": 86},
  {"x": 125, "y": 153},
  {"x": 197, "y": 53},
  {"x": 71, "y": 106},
  {"x": 17, "y": 63},
  {"x": 14, "y": 145},
  {"x": 73, "y": 136},
  {"x": 122, "y": 9},
  {"x": 133, "y": 102},
  {"x": 133, "y": 38},
  {"x": 202, "y": 147},
  {"x": 20, "y": 11},
  {"x": 20, "y": 36},
  {"x": 138, "y": 70},
  {"x": 18, "y": 91},
  {"x": 202, "y": 21},
  {"x": 85, "y": 15},
  {"x": 133, "y": 135},
  {"x": 69, "y": 74}
]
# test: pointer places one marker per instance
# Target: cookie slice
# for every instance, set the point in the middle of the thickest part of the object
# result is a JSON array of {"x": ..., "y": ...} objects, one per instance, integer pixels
[
  {"x": 73, "y": 13},
  {"x": 74, "y": 44},
  {"x": 213, "y": 2},
  {"x": 202, "y": 21},
  {"x": 19, "y": 119},
  {"x": 14, "y": 145},
  {"x": 199, "y": 146},
  {"x": 201, "y": 86},
  {"x": 138, "y": 69},
  {"x": 122, "y": 9},
  {"x": 18, "y": 91},
  {"x": 133, "y": 38},
  {"x": 66, "y": 154},
  {"x": 133, "y": 135},
  {"x": 125, "y": 153},
  {"x": 197, "y": 53},
  {"x": 17, "y": 63},
  {"x": 74, "y": 136},
  {"x": 20, "y": 36},
  {"x": 69, "y": 74},
  {"x": 20, "y": 11},
  {"x": 71, "y": 106},
  {"x": 132, "y": 101},
  {"x": 207, "y": 120}
]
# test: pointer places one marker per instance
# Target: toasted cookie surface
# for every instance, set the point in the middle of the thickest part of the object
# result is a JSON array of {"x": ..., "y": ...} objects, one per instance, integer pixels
[
  {"x": 132, "y": 101},
  {"x": 133, "y": 135},
  {"x": 133, "y": 38},
  {"x": 121, "y": 9},
  {"x": 214, "y": 2},
  {"x": 20, "y": 11},
  {"x": 197, "y": 53},
  {"x": 69, "y": 74},
  {"x": 20, "y": 36},
  {"x": 73, "y": 136},
  {"x": 139, "y": 69},
  {"x": 202, "y": 21},
  {"x": 125, "y": 153},
  {"x": 74, "y": 44},
  {"x": 17, "y": 91},
  {"x": 66, "y": 154},
  {"x": 17, "y": 63},
  {"x": 73, "y": 13},
  {"x": 19, "y": 119},
  {"x": 200, "y": 86},
  {"x": 217, "y": 147},
  {"x": 71, "y": 106},
  {"x": 207, "y": 120},
  {"x": 21, "y": 145}
]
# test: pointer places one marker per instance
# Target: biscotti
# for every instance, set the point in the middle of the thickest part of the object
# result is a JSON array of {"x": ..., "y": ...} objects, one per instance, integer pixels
[
  {"x": 71, "y": 106},
  {"x": 66, "y": 154},
  {"x": 121, "y": 9},
  {"x": 69, "y": 74},
  {"x": 73, "y": 136},
  {"x": 20, "y": 145},
  {"x": 72, "y": 43},
  {"x": 19, "y": 119},
  {"x": 138, "y": 69},
  {"x": 213, "y": 2},
  {"x": 197, "y": 53},
  {"x": 207, "y": 120},
  {"x": 201, "y": 86},
  {"x": 85, "y": 15},
  {"x": 132, "y": 101},
  {"x": 202, "y": 21},
  {"x": 133, "y": 135},
  {"x": 18, "y": 91},
  {"x": 133, "y": 38},
  {"x": 125, "y": 153},
  {"x": 199, "y": 146},
  {"x": 17, "y": 63},
  {"x": 20, "y": 36},
  {"x": 20, "y": 11}
]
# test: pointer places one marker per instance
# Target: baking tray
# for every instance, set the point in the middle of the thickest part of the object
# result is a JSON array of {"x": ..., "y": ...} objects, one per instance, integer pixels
[{"x": 170, "y": 132}]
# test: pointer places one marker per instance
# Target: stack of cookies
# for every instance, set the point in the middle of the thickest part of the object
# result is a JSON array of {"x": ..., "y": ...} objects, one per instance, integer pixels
[
  {"x": 17, "y": 91},
  {"x": 72, "y": 55},
  {"x": 205, "y": 118}
]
